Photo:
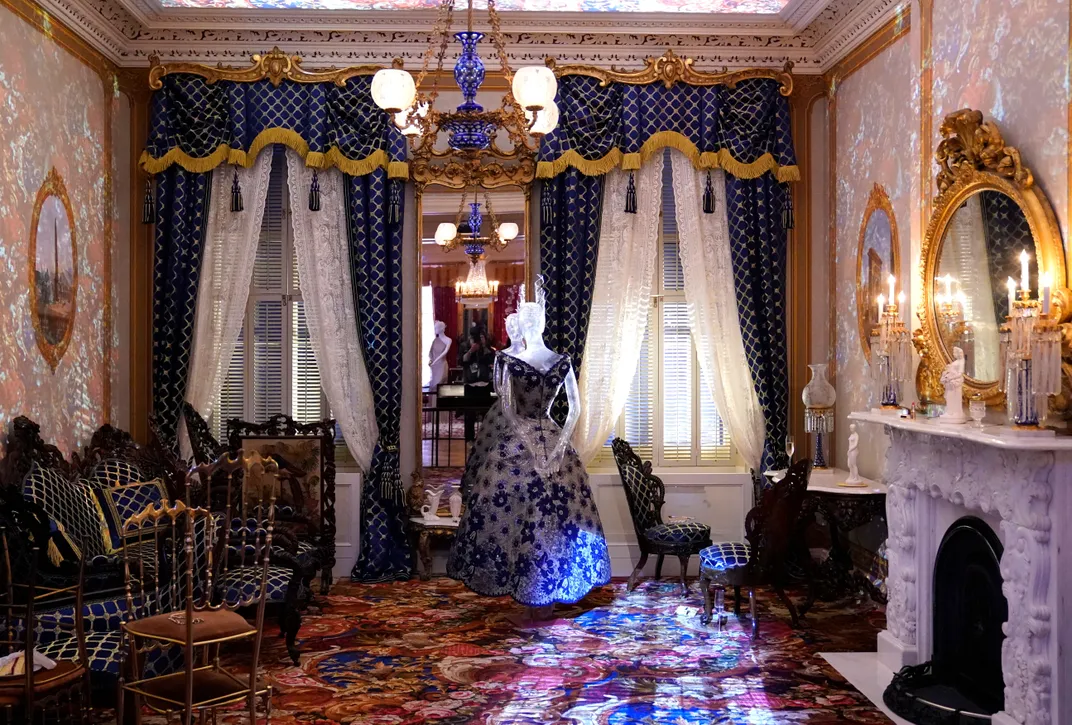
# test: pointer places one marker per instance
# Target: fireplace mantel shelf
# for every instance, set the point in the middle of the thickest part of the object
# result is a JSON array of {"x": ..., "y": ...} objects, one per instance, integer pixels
[{"x": 991, "y": 435}]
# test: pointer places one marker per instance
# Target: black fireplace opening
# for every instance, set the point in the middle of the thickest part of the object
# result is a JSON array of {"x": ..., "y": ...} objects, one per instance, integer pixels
[{"x": 963, "y": 683}]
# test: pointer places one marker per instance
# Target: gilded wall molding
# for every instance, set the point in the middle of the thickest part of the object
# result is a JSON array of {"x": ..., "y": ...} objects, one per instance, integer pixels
[
  {"x": 670, "y": 68},
  {"x": 274, "y": 65}
]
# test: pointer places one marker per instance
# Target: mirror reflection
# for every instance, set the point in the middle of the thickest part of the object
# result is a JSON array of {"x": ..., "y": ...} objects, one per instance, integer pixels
[
  {"x": 473, "y": 268},
  {"x": 980, "y": 252},
  {"x": 876, "y": 265}
]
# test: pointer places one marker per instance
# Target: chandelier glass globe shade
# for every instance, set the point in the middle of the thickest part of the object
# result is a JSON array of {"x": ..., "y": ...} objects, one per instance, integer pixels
[
  {"x": 534, "y": 86},
  {"x": 508, "y": 231},
  {"x": 393, "y": 89},
  {"x": 445, "y": 232}
]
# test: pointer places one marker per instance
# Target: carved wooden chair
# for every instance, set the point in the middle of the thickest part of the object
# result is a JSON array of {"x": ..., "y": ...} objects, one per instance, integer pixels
[
  {"x": 187, "y": 596},
  {"x": 760, "y": 559},
  {"x": 646, "y": 494},
  {"x": 58, "y": 694}
]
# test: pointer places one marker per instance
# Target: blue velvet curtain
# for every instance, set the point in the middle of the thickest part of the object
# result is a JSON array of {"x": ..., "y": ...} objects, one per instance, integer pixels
[
  {"x": 182, "y": 201},
  {"x": 376, "y": 271},
  {"x": 758, "y": 254},
  {"x": 569, "y": 241}
]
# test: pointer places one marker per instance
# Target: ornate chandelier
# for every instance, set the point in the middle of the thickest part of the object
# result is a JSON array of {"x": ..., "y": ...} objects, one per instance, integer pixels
[
  {"x": 477, "y": 290},
  {"x": 527, "y": 111},
  {"x": 451, "y": 236}
]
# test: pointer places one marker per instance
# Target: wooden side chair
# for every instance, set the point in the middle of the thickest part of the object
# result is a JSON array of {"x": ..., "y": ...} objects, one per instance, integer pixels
[
  {"x": 175, "y": 599},
  {"x": 59, "y": 694},
  {"x": 646, "y": 494},
  {"x": 760, "y": 559}
]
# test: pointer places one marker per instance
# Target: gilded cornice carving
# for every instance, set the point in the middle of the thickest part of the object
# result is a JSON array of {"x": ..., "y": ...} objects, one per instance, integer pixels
[
  {"x": 670, "y": 68},
  {"x": 275, "y": 65},
  {"x": 971, "y": 144},
  {"x": 130, "y": 32}
]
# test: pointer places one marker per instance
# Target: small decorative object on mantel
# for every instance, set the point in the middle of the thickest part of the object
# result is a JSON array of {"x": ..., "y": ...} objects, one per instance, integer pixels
[
  {"x": 894, "y": 349},
  {"x": 953, "y": 381},
  {"x": 854, "y": 479},
  {"x": 819, "y": 397}
]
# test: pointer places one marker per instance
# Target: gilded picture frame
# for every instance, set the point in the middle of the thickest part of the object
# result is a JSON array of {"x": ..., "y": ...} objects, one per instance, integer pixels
[
  {"x": 878, "y": 201},
  {"x": 53, "y": 287}
]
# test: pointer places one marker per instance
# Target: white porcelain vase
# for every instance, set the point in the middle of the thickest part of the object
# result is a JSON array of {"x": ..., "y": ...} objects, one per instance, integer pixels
[
  {"x": 430, "y": 511},
  {"x": 455, "y": 502},
  {"x": 819, "y": 393}
]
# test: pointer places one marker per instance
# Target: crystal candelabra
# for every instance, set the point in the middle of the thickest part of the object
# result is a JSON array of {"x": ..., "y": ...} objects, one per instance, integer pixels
[
  {"x": 1030, "y": 349},
  {"x": 819, "y": 421},
  {"x": 894, "y": 353}
]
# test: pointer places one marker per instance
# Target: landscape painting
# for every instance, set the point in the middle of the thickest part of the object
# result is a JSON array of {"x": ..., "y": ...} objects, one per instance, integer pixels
[{"x": 53, "y": 276}]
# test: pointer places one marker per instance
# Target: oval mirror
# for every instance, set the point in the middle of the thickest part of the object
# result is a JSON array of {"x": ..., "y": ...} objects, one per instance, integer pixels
[
  {"x": 979, "y": 251},
  {"x": 876, "y": 260},
  {"x": 53, "y": 261}
]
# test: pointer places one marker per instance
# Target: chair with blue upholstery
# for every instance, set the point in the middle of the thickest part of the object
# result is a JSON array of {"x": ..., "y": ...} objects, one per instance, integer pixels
[
  {"x": 645, "y": 492},
  {"x": 760, "y": 558}
]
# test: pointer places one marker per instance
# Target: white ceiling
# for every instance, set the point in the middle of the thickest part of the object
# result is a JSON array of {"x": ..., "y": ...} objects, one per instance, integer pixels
[{"x": 812, "y": 34}]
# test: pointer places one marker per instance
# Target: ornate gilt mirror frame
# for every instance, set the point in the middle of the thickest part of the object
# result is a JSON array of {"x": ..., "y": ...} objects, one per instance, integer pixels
[
  {"x": 485, "y": 170},
  {"x": 878, "y": 201},
  {"x": 52, "y": 351},
  {"x": 972, "y": 157}
]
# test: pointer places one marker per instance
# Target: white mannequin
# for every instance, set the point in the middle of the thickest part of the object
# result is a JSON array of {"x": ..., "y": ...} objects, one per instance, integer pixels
[
  {"x": 437, "y": 355},
  {"x": 953, "y": 381},
  {"x": 854, "y": 443},
  {"x": 542, "y": 358}
]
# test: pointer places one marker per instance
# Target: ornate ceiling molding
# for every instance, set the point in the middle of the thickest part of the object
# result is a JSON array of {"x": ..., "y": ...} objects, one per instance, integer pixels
[{"x": 129, "y": 32}]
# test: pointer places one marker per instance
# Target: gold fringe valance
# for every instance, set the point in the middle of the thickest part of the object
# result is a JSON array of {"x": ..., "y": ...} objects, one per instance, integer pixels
[
  {"x": 722, "y": 159},
  {"x": 313, "y": 159}
]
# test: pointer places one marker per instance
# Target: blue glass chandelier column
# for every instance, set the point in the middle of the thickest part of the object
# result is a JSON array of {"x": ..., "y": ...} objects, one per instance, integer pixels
[
  {"x": 469, "y": 134},
  {"x": 474, "y": 248}
]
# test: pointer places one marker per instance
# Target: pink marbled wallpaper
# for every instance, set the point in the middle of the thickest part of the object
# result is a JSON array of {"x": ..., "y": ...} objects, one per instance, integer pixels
[
  {"x": 877, "y": 142},
  {"x": 52, "y": 114},
  {"x": 1009, "y": 59}
]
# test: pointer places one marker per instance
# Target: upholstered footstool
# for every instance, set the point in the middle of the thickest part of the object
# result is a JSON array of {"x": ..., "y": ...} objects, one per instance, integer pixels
[{"x": 721, "y": 565}]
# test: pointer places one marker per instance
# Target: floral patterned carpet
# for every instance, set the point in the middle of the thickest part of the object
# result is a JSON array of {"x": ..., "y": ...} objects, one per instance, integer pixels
[{"x": 417, "y": 653}]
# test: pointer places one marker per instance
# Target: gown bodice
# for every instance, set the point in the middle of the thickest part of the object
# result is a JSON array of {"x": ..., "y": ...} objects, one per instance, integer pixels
[{"x": 532, "y": 391}]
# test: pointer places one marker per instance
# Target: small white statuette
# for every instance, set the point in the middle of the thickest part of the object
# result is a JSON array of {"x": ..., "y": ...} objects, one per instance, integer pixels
[
  {"x": 953, "y": 381},
  {"x": 430, "y": 510},
  {"x": 854, "y": 452},
  {"x": 455, "y": 505}
]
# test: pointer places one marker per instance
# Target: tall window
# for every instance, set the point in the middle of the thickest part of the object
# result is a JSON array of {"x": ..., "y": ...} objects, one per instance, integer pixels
[
  {"x": 273, "y": 369},
  {"x": 670, "y": 417}
]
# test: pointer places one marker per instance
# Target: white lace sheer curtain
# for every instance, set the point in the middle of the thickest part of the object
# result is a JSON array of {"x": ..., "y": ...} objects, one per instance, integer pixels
[
  {"x": 323, "y": 254},
  {"x": 231, "y": 240},
  {"x": 704, "y": 241},
  {"x": 621, "y": 299}
]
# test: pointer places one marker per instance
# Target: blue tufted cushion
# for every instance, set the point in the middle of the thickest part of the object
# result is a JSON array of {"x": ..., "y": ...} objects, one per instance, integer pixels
[
  {"x": 114, "y": 472},
  {"x": 103, "y": 653},
  {"x": 680, "y": 532},
  {"x": 242, "y": 583},
  {"x": 116, "y": 504},
  {"x": 725, "y": 555},
  {"x": 101, "y": 615},
  {"x": 68, "y": 503}
]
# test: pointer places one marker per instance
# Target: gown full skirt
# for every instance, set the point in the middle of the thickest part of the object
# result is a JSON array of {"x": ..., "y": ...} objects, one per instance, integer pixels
[{"x": 530, "y": 535}]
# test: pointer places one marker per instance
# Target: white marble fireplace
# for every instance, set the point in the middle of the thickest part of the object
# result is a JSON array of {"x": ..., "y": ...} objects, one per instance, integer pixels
[{"x": 1022, "y": 488}]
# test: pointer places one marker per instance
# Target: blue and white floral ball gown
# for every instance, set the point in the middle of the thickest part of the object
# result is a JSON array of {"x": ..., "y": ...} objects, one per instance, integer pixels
[{"x": 534, "y": 536}]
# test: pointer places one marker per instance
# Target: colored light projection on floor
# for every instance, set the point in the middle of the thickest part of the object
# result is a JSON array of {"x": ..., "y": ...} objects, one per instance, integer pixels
[
  {"x": 751, "y": 7},
  {"x": 428, "y": 653}
]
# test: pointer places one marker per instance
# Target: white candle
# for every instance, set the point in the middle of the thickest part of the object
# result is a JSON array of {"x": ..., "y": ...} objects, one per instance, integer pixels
[
  {"x": 1045, "y": 283},
  {"x": 900, "y": 298},
  {"x": 892, "y": 280},
  {"x": 881, "y": 305},
  {"x": 1012, "y": 293},
  {"x": 949, "y": 288},
  {"x": 1025, "y": 279}
]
